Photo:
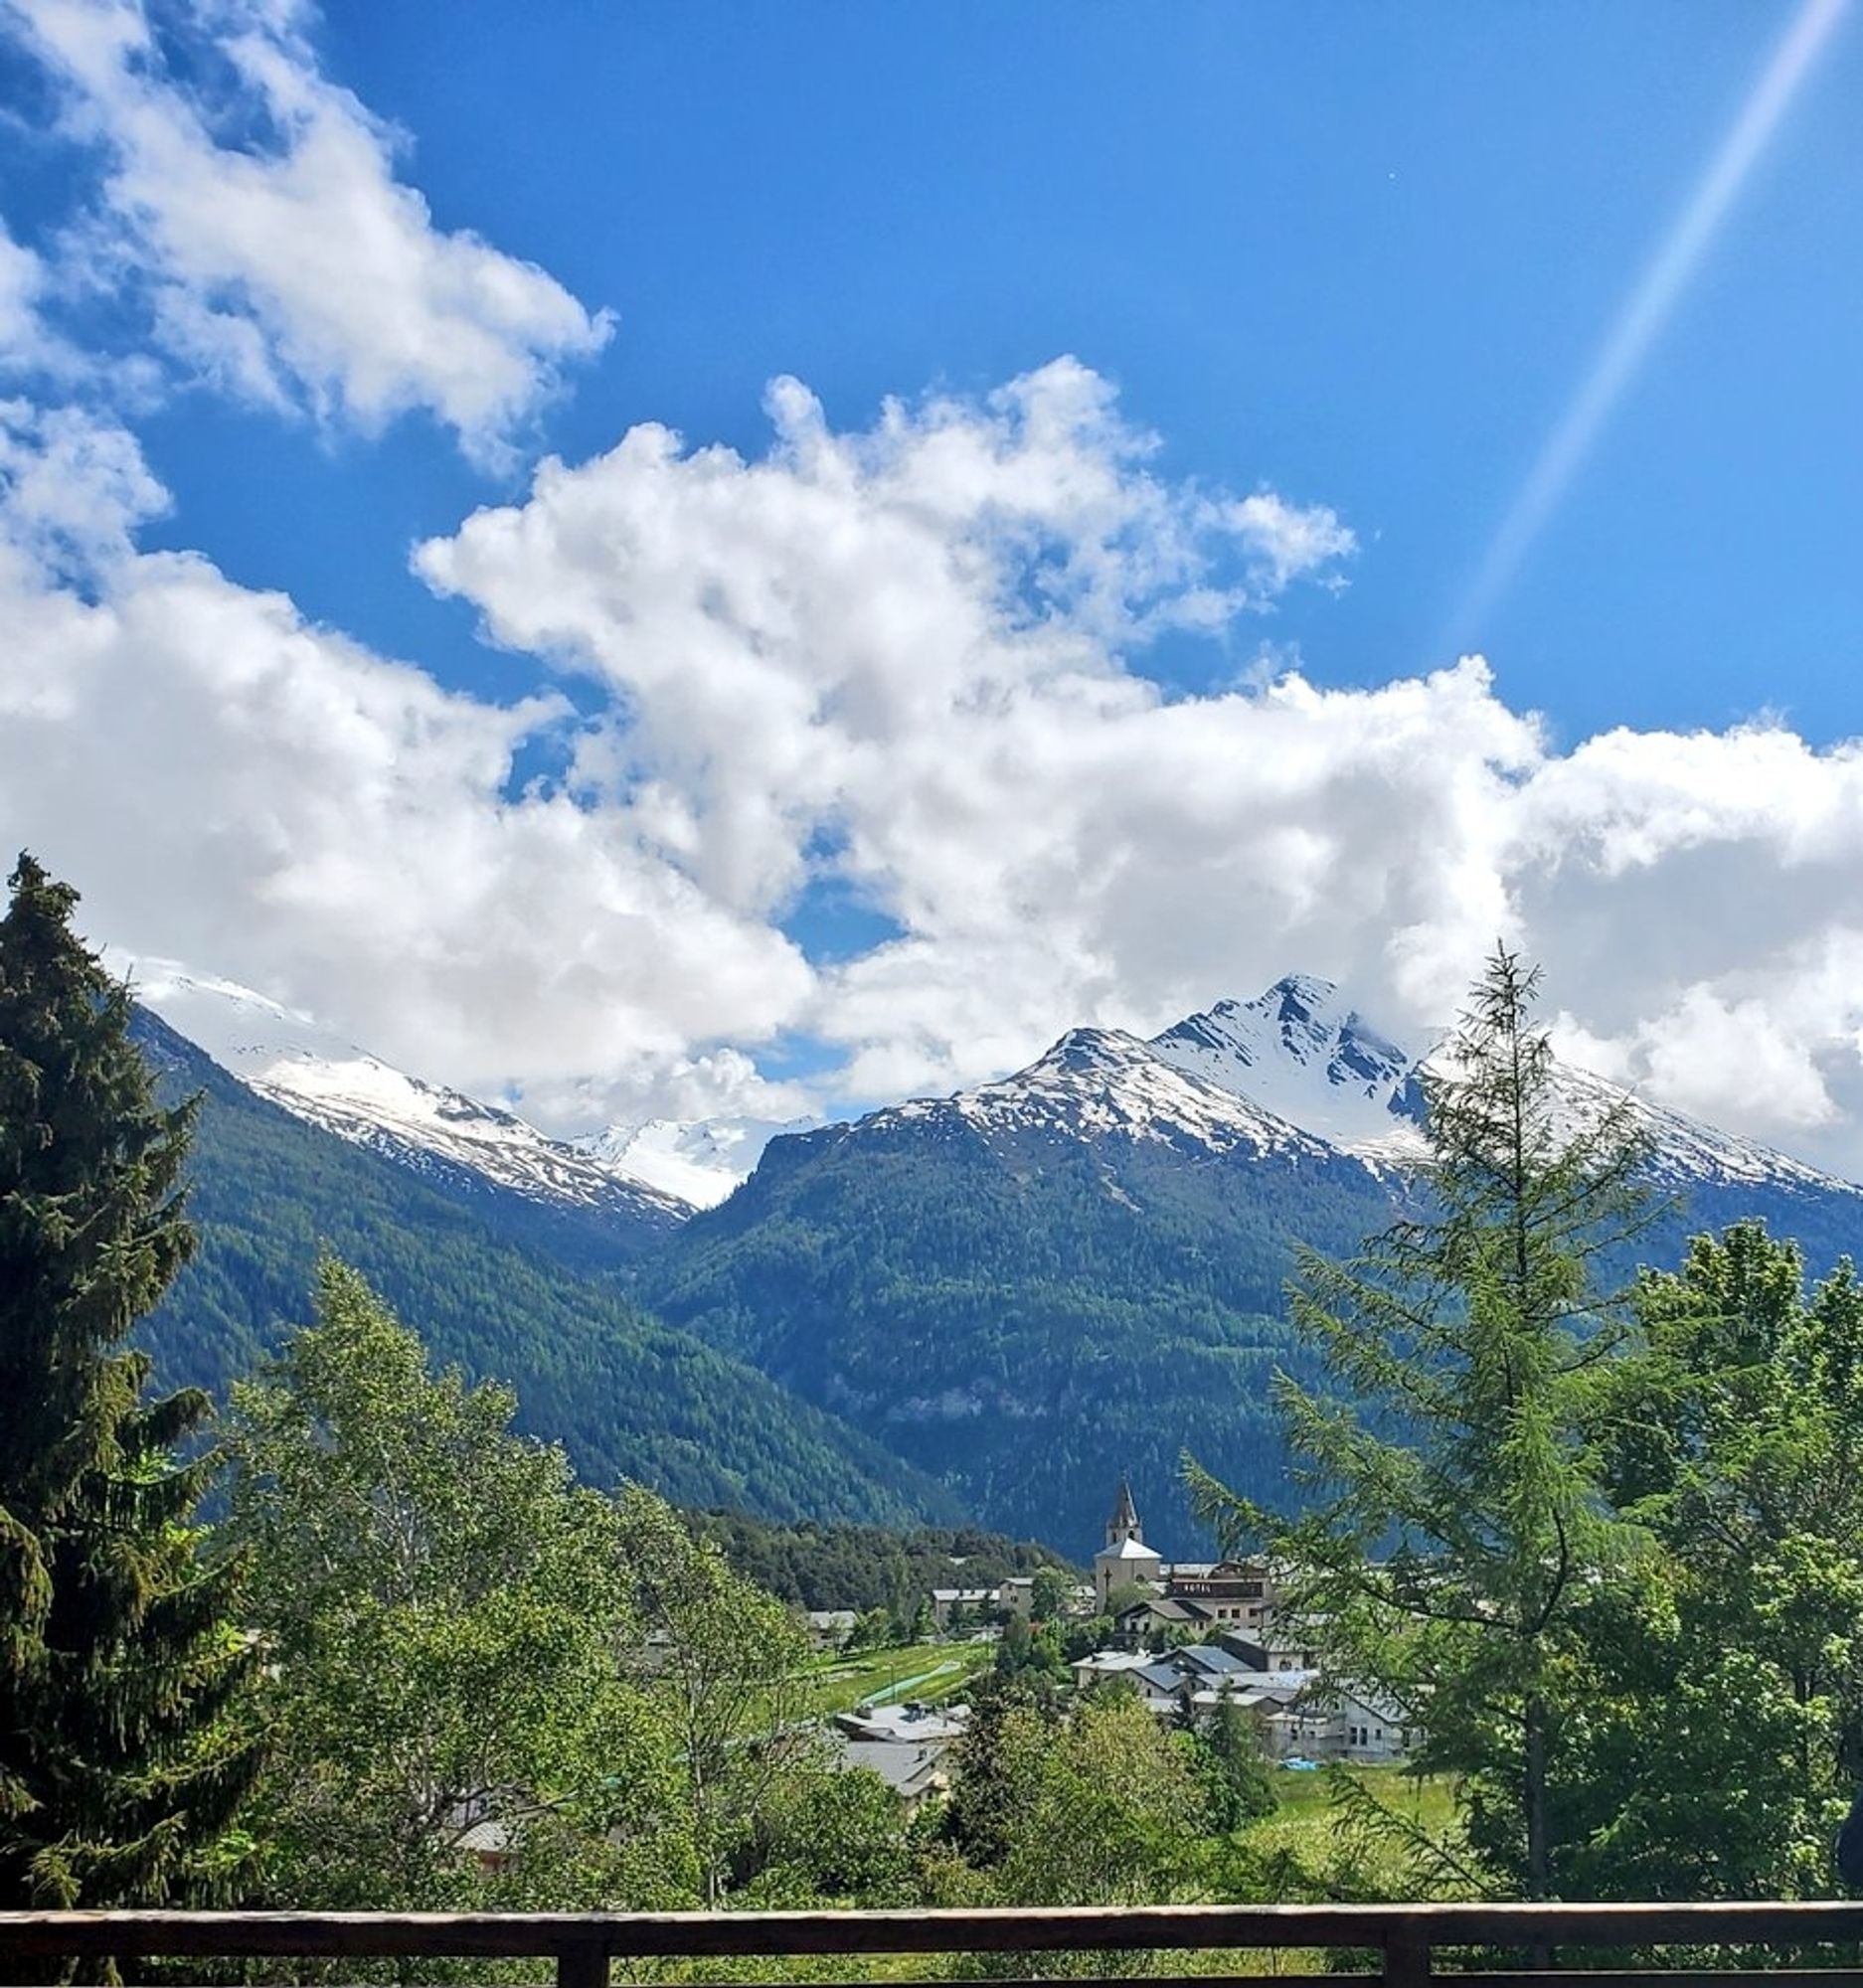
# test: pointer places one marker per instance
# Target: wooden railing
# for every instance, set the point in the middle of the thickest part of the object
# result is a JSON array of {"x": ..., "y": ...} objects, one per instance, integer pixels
[{"x": 1405, "y": 1941}]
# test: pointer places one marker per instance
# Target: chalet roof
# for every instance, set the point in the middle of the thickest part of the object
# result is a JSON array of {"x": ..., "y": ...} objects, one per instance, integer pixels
[
  {"x": 1215, "y": 1661},
  {"x": 909, "y": 1768},
  {"x": 1167, "y": 1609}
]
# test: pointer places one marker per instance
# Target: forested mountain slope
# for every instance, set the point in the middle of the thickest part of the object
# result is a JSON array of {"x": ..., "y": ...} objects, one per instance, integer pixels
[
  {"x": 625, "y": 1393},
  {"x": 1078, "y": 1271}
]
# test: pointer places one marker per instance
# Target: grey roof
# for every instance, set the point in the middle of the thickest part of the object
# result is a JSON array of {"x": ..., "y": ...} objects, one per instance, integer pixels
[
  {"x": 908, "y": 1766},
  {"x": 915, "y": 1723},
  {"x": 1129, "y": 1550},
  {"x": 1167, "y": 1609},
  {"x": 1109, "y": 1663},
  {"x": 1162, "y": 1676},
  {"x": 1214, "y": 1659},
  {"x": 1124, "y": 1513}
]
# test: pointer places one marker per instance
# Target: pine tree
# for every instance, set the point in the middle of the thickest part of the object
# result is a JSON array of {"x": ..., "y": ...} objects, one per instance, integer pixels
[
  {"x": 1456, "y": 1522},
  {"x": 119, "y": 1766}
]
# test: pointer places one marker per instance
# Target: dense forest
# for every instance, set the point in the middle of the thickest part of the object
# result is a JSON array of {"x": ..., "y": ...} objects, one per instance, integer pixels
[
  {"x": 819, "y": 1566},
  {"x": 1019, "y": 1329}
]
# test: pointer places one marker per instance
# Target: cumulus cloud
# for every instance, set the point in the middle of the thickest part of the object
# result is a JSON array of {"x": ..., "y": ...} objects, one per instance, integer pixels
[
  {"x": 253, "y": 205},
  {"x": 23, "y": 332},
  {"x": 271, "y": 801},
  {"x": 908, "y": 660},
  {"x": 921, "y": 645}
]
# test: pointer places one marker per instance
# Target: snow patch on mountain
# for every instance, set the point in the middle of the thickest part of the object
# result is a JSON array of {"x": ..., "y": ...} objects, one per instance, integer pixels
[
  {"x": 317, "y": 1075},
  {"x": 699, "y": 1161},
  {"x": 1102, "y": 1082},
  {"x": 1682, "y": 1149},
  {"x": 1302, "y": 1052}
]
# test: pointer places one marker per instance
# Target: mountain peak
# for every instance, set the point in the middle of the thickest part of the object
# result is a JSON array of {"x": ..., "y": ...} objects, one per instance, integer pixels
[
  {"x": 1301, "y": 1051},
  {"x": 290, "y": 1060},
  {"x": 1302, "y": 995}
]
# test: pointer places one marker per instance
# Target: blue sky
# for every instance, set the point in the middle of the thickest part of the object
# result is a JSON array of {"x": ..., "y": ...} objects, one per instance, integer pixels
[
  {"x": 1360, "y": 258},
  {"x": 1361, "y": 254}
]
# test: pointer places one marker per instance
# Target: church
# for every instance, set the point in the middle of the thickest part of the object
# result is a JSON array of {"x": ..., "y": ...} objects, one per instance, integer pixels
[
  {"x": 1124, "y": 1557},
  {"x": 1200, "y": 1595}
]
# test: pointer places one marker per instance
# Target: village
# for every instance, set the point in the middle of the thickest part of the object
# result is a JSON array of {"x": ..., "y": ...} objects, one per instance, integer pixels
[{"x": 1190, "y": 1637}]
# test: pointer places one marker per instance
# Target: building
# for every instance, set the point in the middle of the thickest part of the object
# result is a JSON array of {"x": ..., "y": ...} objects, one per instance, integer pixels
[
  {"x": 967, "y": 1605},
  {"x": 829, "y": 1628},
  {"x": 904, "y": 1745},
  {"x": 1125, "y": 1559},
  {"x": 1272, "y": 1650},
  {"x": 1227, "y": 1591}
]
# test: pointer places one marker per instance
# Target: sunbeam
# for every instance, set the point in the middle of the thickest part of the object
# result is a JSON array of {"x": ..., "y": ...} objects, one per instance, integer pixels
[{"x": 1645, "y": 312}]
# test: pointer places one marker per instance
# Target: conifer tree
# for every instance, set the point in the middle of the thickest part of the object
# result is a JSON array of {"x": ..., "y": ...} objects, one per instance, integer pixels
[
  {"x": 1456, "y": 1524},
  {"x": 119, "y": 1767}
]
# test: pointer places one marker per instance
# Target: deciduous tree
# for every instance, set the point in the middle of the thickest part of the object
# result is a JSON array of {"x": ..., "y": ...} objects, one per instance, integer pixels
[{"x": 445, "y": 1616}]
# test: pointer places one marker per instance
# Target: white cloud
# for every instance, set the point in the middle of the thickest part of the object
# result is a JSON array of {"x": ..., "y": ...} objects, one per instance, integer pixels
[
  {"x": 271, "y": 801},
  {"x": 76, "y": 486},
  {"x": 22, "y": 289},
  {"x": 921, "y": 642},
  {"x": 909, "y": 657},
  {"x": 256, "y": 205}
]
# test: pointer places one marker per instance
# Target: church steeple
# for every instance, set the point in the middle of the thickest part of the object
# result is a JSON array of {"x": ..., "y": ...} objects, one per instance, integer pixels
[{"x": 1124, "y": 1525}]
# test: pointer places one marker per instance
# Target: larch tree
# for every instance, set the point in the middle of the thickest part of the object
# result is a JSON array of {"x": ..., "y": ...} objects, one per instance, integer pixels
[
  {"x": 1455, "y": 1526},
  {"x": 120, "y": 1766}
]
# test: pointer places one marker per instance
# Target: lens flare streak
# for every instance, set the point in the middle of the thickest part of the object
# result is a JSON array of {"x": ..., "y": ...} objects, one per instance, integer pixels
[{"x": 1646, "y": 311}]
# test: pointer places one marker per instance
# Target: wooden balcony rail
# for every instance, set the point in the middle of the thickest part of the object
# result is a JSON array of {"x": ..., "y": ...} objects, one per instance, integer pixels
[{"x": 1404, "y": 1938}]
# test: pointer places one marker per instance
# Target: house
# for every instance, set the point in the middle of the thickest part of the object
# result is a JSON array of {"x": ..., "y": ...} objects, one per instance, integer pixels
[
  {"x": 1105, "y": 1664},
  {"x": 969, "y": 1604},
  {"x": 904, "y": 1745},
  {"x": 916, "y": 1770},
  {"x": 1178, "y": 1684},
  {"x": 1158, "y": 1619},
  {"x": 1326, "y": 1722},
  {"x": 829, "y": 1628},
  {"x": 1272, "y": 1650},
  {"x": 1125, "y": 1559}
]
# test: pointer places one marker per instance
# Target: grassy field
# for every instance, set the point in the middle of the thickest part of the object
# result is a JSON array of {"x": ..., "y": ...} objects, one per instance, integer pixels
[
  {"x": 1308, "y": 1822},
  {"x": 932, "y": 1672}
]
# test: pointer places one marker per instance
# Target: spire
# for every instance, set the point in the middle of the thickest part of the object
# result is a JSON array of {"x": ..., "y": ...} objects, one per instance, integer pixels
[{"x": 1124, "y": 1525}]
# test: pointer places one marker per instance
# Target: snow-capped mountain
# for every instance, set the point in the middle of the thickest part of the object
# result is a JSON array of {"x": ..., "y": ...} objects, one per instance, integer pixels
[
  {"x": 1302, "y": 1052},
  {"x": 1099, "y": 1082},
  {"x": 1080, "y": 1269},
  {"x": 429, "y": 1129},
  {"x": 697, "y": 1160},
  {"x": 1299, "y": 1069}
]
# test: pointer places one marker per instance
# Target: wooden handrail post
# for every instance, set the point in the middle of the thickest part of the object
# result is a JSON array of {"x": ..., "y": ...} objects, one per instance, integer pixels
[
  {"x": 1406, "y": 1959},
  {"x": 582, "y": 1965}
]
